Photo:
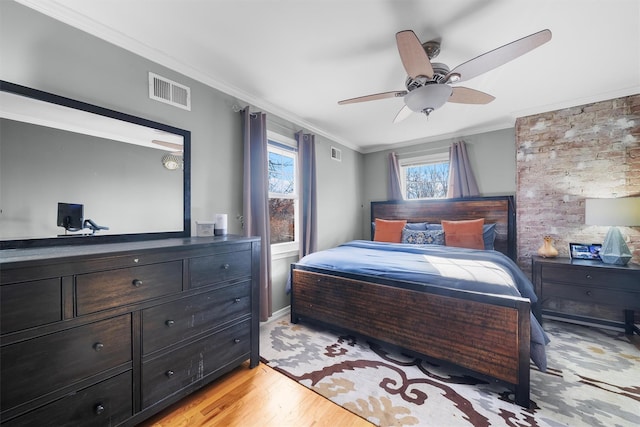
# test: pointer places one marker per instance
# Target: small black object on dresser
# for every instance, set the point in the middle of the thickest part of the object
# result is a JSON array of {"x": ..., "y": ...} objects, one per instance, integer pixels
[
  {"x": 110, "y": 334},
  {"x": 587, "y": 291}
]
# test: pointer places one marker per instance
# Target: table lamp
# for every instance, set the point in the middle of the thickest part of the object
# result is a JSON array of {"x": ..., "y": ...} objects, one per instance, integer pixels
[{"x": 623, "y": 211}]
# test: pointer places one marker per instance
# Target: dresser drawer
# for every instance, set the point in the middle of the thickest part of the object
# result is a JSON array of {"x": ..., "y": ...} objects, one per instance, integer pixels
[
  {"x": 29, "y": 304},
  {"x": 591, "y": 276},
  {"x": 161, "y": 377},
  {"x": 114, "y": 288},
  {"x": 180, "y": 320},
  {"x": 594, "y": 295},
  {"x": 38, "y": 366},
  {"x": 213, "y": 269},
  {"x": 104, "y": 404}
]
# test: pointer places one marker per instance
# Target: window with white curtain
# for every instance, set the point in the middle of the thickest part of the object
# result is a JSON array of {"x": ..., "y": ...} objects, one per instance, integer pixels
[
  {"x": 283, "y": 192},
  {"x": 425, "y": 177}
]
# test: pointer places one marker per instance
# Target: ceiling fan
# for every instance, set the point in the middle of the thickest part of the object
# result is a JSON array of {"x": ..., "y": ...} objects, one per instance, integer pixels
[
  {"x": 429, "y": 83},
  {"x": 174, "y": 158}
]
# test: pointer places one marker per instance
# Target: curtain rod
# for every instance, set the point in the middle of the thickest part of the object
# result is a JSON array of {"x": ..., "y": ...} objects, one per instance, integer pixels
[
  {"x": 237, "y": 108},
  {"x": 280, "y": 125},
  {"x": 423, "y": 151}
]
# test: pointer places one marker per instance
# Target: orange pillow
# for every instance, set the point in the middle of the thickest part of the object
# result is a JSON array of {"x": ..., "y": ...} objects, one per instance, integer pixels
[
  {"x": 389, "y": 231},
  {"x": 464, "y": 234}
]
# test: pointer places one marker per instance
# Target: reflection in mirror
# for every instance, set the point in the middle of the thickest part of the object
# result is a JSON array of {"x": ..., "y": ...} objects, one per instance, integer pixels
[{"x": 130, "y": 174}]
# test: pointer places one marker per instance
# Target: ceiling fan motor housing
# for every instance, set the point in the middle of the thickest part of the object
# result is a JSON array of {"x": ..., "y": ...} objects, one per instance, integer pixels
[{"x": 440, "y": 72}]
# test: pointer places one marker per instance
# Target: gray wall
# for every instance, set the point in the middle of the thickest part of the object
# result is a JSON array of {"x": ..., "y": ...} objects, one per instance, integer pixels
[
  {"x": 40, "y": 52},
  {"x": 340, "y": 203},
  {"x": 492, "y": 156}
]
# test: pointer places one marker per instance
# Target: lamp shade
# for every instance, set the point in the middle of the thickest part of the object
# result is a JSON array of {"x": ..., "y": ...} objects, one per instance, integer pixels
[{"x": 624, "y": 211}]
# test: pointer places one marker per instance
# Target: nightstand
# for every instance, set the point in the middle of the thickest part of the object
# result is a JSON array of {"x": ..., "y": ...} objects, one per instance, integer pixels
[{"x": 587, "y": 291}]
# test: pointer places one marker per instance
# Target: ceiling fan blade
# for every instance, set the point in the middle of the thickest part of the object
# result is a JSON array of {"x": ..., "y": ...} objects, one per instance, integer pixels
[
  {"x": 413, "y": 56},
  {"x": 402, "y": 114},
  {"x": 169, "y": 145},
  {"x": 465, "y": 95},
  {"x": 499, "y": 56},
  {"x": 383, "y": 95}
]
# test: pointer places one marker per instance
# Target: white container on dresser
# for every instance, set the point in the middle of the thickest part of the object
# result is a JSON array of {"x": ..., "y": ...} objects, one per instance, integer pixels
[{"x": 110, "y": 334}]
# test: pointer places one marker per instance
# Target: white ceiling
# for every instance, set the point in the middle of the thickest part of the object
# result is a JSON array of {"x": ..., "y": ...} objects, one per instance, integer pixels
[{"x": 297, "y": 58}]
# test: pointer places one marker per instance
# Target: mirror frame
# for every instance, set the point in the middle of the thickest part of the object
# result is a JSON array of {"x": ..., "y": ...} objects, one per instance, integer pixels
[{"x": 111, "y": 238}]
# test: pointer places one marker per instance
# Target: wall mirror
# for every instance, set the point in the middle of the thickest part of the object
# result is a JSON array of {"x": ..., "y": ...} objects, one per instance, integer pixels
[{"x": 131, "y": 175}]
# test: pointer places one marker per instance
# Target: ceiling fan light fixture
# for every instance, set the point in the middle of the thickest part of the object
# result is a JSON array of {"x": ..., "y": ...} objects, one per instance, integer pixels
[
  {"x": 172, "y": 162},
  {"x": 453, "y": 78},
  {"x": 428, "y": 98}
]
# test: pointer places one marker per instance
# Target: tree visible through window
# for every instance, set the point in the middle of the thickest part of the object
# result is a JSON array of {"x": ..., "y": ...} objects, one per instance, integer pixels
[
  {"x": 282, "y": 194},
  {"x": 427, "y": 181},
  {"x": 426, "y": 177}
]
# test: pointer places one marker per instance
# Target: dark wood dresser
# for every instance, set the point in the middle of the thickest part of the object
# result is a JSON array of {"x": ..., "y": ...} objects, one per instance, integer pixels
[
  {"x": 587, "y": 291},
  {"x": 110, "y": 334}
]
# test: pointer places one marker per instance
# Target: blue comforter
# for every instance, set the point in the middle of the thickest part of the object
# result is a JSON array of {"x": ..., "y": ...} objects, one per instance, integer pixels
[{"x": 466, "y": 269}]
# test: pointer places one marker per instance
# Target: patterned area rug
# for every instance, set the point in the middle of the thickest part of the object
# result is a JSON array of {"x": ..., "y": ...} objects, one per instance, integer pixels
[{"x": 593, "y": 380}]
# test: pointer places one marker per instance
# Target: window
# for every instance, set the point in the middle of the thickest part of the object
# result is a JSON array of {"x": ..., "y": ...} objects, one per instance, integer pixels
[
  {"x": 283, "y": 193},
  {"x": 425, "y": 177}
]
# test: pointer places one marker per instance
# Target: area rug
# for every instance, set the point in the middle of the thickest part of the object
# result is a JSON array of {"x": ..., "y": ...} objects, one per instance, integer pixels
[{"x": 593, "y": 380}]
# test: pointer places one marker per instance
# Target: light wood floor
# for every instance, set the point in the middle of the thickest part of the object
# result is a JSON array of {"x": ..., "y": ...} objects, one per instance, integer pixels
[
  {"x": 255, "y": 397},
  {"x": 259, "y": 397}
]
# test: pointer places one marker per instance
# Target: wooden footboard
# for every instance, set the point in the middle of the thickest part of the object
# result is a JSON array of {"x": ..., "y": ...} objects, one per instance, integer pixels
[{"x": 487, "y": 334}]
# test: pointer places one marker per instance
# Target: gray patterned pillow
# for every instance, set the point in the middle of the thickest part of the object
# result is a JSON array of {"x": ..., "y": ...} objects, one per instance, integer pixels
[{"x": 423, "y": 237}]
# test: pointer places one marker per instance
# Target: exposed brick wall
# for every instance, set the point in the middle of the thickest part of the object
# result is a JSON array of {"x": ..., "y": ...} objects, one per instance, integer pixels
[{"x": 567, "y": 156}]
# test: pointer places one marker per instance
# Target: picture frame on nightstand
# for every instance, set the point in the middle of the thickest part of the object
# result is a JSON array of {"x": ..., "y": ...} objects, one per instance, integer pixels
[{"x": 585, "y": 251}]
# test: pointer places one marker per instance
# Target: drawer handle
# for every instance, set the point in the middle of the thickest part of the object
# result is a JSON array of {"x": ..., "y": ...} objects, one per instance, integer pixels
[
  {"x": 99, "y": 409},
  {"x": 588, "y": 276},
  {"x": 236, "y": 301},
  {"x": 137, "y": 282},
  {"x": 225, "y": 266},
  {"x": 236, "y": 341},
  {"x": 169, "y": 323},
  {"x": 169, "y": 373},
  {"x": 98, "y": 346},
  {"x": 588, "y": 293}
]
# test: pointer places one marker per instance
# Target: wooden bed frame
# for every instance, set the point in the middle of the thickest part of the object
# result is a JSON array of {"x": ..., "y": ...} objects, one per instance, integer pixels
[{"x": 487, "y": 334}]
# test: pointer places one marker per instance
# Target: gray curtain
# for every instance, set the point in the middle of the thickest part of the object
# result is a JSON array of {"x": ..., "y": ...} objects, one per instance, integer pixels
[
  {"x": 307, "y": 175},
  {"x": 256, "y": 198},
  {"x": 462, "y": 183},
  {"x": 393, "y": 184}
]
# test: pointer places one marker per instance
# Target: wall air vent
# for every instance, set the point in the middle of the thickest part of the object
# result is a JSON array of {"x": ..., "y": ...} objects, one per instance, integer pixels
[
  {"x": 336, "y": 154},
  {"x": 167, "y": 91}
]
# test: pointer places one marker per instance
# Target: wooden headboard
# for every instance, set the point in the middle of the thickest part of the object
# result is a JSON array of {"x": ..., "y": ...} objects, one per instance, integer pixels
[{"x": 498, "y": 209}]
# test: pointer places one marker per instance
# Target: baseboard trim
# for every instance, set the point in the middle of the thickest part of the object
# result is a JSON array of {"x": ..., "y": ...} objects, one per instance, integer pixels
[
  {"x": 278, "y": 314},
  {"x": 610, "y": 325}
]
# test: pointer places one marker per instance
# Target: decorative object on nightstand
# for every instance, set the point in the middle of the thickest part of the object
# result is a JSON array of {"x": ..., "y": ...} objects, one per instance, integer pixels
[
  {"x": 623, "y": 211},
  {"x": 585, "y": 251},
  {"x": 547, "y": 250}
]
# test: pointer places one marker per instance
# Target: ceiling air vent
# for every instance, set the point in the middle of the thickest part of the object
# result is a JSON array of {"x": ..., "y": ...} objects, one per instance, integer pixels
[
  {"x": 167, "y": 91},
  {"x": 336, "y": 154}
]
